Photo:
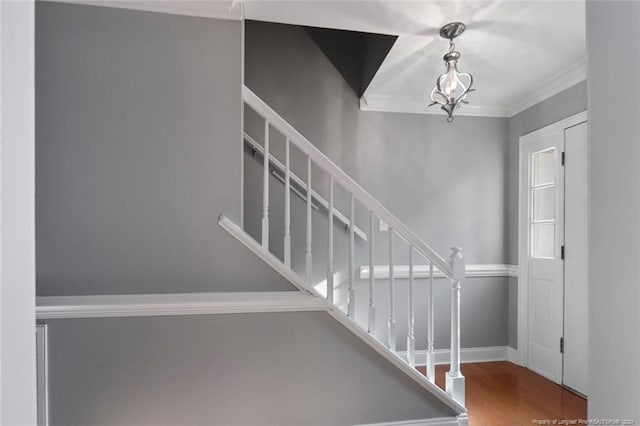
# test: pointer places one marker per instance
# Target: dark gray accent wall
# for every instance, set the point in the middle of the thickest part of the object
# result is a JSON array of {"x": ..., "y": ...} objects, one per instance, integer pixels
[
  {"x": 240, "y": 369},
  {"x": 137, "y": 153},
  {"x": 356, "y": 55},
  {"x": 565, "y": 104},
  {"x": 445, "y": 181}
]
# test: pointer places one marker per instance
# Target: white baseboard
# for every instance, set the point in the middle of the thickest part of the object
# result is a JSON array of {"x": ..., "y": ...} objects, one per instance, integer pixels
[
  {"x": 443, "y": 356},
  {"x": 461, "y": 420},
  {"x": 513, "y": 356}
]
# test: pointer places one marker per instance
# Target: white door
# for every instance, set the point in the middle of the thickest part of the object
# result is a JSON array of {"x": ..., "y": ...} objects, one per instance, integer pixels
[
  {"x": 553, "y": 250},
  {"x": 576, "y": 259},
  {"x": 543, "y": 252}
]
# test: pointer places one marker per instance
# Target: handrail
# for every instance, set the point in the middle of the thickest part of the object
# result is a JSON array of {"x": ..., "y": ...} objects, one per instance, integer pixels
[
  {"x": 319, "y": 199},
  {"x": 344, "y": 180}
]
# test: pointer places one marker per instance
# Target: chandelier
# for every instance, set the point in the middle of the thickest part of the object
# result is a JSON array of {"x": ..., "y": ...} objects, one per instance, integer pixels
[{"x": 452, "y": 87}]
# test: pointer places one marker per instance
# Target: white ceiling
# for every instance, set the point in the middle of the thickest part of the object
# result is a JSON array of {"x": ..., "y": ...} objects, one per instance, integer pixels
[{"x": 519, "y": 51}]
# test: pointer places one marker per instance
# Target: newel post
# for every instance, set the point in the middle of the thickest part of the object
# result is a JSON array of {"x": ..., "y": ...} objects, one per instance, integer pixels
[{"x": 454, "y": 378}]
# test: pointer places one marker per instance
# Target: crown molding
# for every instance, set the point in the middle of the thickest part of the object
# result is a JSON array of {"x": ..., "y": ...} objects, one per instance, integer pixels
[
  {"x": 383, "y": 103},
  {"x": 554, "y": 85},
  {"x": 550, "y": 87},
  {"x": 230, "y": 10}
]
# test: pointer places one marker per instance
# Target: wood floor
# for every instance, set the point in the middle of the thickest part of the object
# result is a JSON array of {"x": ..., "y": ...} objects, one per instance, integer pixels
[{"x": 501, "y": 393}]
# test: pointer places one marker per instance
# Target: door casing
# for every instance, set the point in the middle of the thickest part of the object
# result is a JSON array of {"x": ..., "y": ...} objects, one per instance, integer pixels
[{"x": 523, "y": 234}]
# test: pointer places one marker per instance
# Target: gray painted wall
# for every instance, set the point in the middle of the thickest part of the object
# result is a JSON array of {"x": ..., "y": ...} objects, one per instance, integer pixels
[
  {"x": 407, "y": 161},
  {"x": 614, "y": 212},
  {"x": 565, "y": 104},
  {"x": 446, "y": 182},
  {"x": 240, "y": 369},
  {"x": 137, "y": 153}
]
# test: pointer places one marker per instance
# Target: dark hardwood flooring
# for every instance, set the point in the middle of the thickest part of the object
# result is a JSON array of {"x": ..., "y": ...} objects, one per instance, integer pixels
[{"x": 501, "y": 393}]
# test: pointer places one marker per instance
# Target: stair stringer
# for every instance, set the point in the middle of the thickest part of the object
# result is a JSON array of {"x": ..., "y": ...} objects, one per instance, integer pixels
[{"x": 397, "y": 361}]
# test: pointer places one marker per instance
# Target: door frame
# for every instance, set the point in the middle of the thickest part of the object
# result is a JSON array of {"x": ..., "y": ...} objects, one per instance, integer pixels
[
  {"x": 523, "y": 234},
  {"x": 17, "y": 208}
]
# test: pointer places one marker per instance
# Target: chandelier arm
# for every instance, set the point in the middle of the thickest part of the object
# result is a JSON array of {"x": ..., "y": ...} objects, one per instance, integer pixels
[
  {"x": 439, "y": 80},
  {"x": 467, "y": 89},
  {"x": 443, "y": 101},
  {"x": 437, "y": 90}
]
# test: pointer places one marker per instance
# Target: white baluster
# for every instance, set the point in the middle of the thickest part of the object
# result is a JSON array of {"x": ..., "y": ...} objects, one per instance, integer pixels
[
  {"x": 309, "y": 223},
  {"x": 351, "y": 304},
  {"x": 372, "y": 306},
  {"x": 411, "y": 337},
  {"x": 431, "y": 369},
  {"x": 330, "y": 244},
  {"x": 265, "y": 189},
  {"x": 287, "y": 205},
  {"x": 392, "y": 314},
  {"x": 454, "y": 378}
]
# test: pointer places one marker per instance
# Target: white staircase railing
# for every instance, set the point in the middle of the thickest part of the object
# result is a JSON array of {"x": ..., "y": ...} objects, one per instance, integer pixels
[{"x": 453, "y": 268}]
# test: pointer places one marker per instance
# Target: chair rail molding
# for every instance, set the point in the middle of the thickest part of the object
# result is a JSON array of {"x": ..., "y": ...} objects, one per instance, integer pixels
[
  {"x": 135, "y": 305},
  {"x": 422, "y": 271}
]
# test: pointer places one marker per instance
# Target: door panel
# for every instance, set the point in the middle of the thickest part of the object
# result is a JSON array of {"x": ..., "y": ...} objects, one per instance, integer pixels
[
  {"x": 576, "y": 258},
  {"x": 541, "y": 345},
  {"x": 544, "y": 265}
]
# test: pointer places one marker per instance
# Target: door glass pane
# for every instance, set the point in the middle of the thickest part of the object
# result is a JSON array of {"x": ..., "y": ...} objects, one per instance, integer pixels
[
  {"x": 543, "y": 240},
  {"x": 544, "y": 204},
  {"x": 544, "y": 167}
]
